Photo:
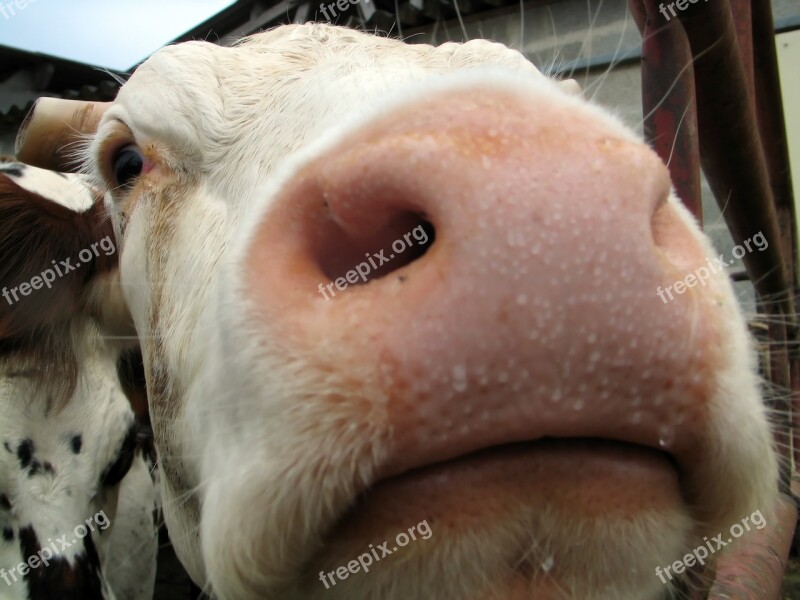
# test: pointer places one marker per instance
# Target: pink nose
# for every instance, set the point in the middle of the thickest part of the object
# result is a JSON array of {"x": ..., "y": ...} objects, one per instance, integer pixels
[{"x": 482, "y": 268}]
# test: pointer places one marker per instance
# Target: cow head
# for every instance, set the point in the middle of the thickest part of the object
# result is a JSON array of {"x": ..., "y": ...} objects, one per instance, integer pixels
[
  {"x": 379, "y": 286},
  {"x": 76, "y": 497}
]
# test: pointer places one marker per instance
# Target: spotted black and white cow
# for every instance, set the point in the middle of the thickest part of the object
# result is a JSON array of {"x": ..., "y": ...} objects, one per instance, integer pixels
[
  {"x": 381, "y": 285},
  {"x": 76, "y": 495}
]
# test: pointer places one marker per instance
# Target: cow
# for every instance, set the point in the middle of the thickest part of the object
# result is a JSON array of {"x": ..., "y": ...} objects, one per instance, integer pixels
[
  {"x": 76, "y": 495},
  {"x": 400, "y": 317}
]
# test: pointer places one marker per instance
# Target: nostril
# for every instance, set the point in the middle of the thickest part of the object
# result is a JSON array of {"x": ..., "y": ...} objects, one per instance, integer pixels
[{"x": 359, "y": 259}]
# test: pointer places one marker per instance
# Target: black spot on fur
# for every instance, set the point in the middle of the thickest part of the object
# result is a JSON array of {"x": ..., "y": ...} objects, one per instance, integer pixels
[
  {"x": 116, "y": 470},
  {"x": 76, "y": 443},
  {"x": 7, "y": 446},
  {"x": 25, "y": 452},
  {"x": 5, "y": 502},
  {"x": 37, "y": 467},
  {"x": 8, "y": 534},
  {"x": 60, "y": 580}
]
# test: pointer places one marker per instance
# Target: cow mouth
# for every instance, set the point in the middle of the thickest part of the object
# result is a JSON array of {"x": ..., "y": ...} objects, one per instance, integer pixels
[{"x": 578, "y": 478}]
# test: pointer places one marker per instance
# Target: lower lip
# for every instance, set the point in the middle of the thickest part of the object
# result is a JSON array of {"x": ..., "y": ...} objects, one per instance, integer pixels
[{"x": 578, "y": 479}]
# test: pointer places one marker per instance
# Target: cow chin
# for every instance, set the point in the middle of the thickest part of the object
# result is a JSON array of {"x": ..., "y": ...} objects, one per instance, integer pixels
[{"x": 508, "y": 523}]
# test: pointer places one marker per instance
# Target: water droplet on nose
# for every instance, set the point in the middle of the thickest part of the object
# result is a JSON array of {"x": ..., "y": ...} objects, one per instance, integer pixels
[
  {"x": 459, "y": 378},
  {"x": 578, "y": 405},
  {"x": 665, "y": 436},
  {"x": 522, "y": 299}
]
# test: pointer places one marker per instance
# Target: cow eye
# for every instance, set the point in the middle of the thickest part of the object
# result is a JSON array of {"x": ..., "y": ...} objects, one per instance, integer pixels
[{"x": 127, "y": 164}]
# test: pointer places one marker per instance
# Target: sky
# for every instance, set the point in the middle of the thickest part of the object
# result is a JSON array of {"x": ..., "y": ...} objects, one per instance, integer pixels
[{"x": 116, "y": 34}]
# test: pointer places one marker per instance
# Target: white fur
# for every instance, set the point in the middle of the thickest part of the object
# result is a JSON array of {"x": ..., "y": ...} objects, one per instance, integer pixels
[{"x": 257, "y": 469}]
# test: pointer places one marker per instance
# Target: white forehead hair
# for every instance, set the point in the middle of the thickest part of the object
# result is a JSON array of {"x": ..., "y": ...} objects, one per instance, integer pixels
[{"x": 274, "y": 91}]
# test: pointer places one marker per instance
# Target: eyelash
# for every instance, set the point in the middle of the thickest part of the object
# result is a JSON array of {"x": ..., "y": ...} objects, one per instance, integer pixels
[{"x": 120, "y": 137}]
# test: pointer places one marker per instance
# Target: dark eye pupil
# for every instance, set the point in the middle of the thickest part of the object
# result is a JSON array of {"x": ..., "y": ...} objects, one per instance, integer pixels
[{"x": 128, "y": 165}]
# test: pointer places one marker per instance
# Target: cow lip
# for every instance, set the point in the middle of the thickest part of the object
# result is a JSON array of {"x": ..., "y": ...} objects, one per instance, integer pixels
[
  {"x": 680, "y": 444},
  {"x": 604, "y": 441},
  {"x": 627, "y": 469}
]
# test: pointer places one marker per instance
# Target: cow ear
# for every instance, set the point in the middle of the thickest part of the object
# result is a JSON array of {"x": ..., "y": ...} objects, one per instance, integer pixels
[{"x": 49, "y": 257}]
